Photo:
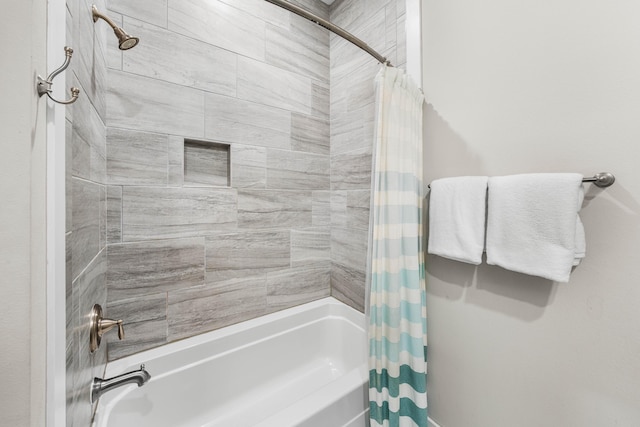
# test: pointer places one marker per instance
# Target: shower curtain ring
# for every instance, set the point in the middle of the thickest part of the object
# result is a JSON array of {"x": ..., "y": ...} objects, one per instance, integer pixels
[{"x": 44, "y": 85}]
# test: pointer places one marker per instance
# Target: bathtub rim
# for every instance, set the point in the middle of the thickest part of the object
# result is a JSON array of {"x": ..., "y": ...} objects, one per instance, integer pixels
[{"x": 333, "y": 309}]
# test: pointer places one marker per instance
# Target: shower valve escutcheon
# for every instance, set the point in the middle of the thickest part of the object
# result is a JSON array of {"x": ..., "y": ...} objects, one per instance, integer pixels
[{"x": 99, "y": 326}]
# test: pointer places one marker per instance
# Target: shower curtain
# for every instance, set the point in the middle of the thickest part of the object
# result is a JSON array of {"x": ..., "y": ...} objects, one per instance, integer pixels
[{"x": 395, "y": 270}]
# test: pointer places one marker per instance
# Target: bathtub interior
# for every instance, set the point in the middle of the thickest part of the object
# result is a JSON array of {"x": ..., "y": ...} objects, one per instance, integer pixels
[{"x": 302, "y": 366}]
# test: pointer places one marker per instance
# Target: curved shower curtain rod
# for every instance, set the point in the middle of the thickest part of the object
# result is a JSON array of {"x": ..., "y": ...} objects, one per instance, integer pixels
[{"x": 331, "y": 27}]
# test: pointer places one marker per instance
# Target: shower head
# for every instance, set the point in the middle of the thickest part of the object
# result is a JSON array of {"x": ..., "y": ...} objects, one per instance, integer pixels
[{"x": 125, "y": 40}]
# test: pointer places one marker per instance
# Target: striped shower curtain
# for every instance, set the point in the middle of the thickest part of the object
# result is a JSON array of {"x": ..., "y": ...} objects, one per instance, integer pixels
[{"x": 395, "y": 273}]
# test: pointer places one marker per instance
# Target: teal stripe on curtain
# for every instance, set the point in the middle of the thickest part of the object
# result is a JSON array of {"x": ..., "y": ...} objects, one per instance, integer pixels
[
  {"x": 408, "y": 409},
  {"x": 397, "y": 297},
  {"x": 407, "y": 376}
]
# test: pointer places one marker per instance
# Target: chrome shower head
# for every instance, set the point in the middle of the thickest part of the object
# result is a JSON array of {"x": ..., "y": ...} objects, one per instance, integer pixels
[{"x": 125, "y": 40}]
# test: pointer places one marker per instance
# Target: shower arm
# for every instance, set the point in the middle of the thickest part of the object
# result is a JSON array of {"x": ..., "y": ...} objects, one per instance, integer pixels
[{"x": 97, "y": 15}]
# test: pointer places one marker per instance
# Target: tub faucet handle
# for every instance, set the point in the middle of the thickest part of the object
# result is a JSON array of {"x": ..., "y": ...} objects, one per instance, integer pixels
[
  {"x": 99, "y": 326},
  {"x": 107, "y": 324}
]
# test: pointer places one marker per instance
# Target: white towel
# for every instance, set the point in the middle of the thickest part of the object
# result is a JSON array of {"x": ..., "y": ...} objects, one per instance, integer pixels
[
  {"x": 457, "y": 209},
  {"x": 581, "y": 242},
  {"x": 533, "y": 225}
]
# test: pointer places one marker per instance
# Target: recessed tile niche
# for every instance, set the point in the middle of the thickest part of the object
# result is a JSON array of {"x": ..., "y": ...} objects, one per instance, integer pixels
[{"x": 207, "y": 163}]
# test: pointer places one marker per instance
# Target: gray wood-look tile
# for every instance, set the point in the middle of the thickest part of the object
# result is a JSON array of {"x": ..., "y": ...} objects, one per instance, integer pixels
[
  {"x": 234, "y": 120},
  {"x": 351, "y": 171},
  {"x": 391, "y": 25},
  {"x": 321, "y": 208},
  {"x": 274, "y": 209},
  {"x": 152, "y": 11},
  {"x": 269, "y": 85},
  {"x": 197, "y": 310},
  {"x": 347, "y": 133},
  {"x": 310, "y": 134},
  {"x": 318, "y": 8},
  {"x": 339, "y": 208},
  {"x": 262, "y": 10},
  {"x": 292, "y": 170},
  {"x": 311, "y": 247},
  {"x": 361, "y": 93},
  {"x": 206, "y": 163},
  {"x": 303, "y": 48},
  {"x": 219, "y": 24},
  {"x": 246, "y": 253},
  {"x": 156, "y": 213},
  {"x": 89, "y": 64},
  {"x": 68, "y": 173},
  {"x": 72, "y": 355},
  {"x": 320, "y": 100},
  {"x": 349, "y": 247},
  {"x": 344, "y": 13},
  {"x": 113, "y": 53},
  {"x": 348, "y": 286},
  {"x": 401, "y": 7},
  {"x": 298, "y": 285},
  {"x": 114, "y": 214},
  {"x": 89, "y": 148},
  {"x": 85, "y": 226},
  {"x": 139, "y": 336},
  {"x": 102, "y": 242},
  {"x": 146, "y": 104},
  {"x": 358, "y": 205},
  {"x": 144, "y": 321},
  {"x": 346, "y": 60},
  {"x": 136, "y": 158},
  {"x": 353, "y": 85},
  {"x": 171, "y": 57},
  {"x": 372, "y": 27},
  {"x": 147, "y": 268},
  {"x": 175, "y": 173},
  {"x": 248, "y": 166},
  {"x": 101, "y": 32}
]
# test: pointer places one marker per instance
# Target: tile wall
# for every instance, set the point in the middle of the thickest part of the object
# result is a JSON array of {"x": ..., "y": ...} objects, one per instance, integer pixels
[
  {"x": 86, "y": 203},
  {"x": 247, "y": 85},
  {"x": 380, "y": 23}
]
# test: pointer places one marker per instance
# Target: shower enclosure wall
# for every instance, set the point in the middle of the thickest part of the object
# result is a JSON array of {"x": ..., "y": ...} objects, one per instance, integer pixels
[{"x": 218, "y": 171}]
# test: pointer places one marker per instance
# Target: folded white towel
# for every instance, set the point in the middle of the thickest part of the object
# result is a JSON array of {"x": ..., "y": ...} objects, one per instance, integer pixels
[
  {"x": 533, "y": 225},
  {"x": 457, "y": 209},
  {"x": 581, "y": 243}
]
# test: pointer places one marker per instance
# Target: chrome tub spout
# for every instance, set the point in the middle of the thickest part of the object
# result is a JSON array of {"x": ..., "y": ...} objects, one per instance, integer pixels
[{"x": 101, "y": 386}]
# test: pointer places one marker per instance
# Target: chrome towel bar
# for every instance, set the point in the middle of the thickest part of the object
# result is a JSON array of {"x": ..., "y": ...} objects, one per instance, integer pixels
[{"x": 601, "y": 179}]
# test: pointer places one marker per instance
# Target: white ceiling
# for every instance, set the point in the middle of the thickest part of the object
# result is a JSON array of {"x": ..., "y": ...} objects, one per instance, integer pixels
[{"x": 328, "y": 1}]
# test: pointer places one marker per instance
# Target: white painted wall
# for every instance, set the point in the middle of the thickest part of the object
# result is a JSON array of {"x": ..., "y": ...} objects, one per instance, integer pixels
[
  {"x": 22, "y": 216},
  {"x": 530, "y": 86}
]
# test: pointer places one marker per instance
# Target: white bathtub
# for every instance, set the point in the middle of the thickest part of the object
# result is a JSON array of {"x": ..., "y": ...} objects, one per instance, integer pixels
[{"x": 303, "y": 366}]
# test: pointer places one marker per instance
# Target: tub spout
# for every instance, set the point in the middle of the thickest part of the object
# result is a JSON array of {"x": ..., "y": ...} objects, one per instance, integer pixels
[{"x": 101, "y": 386}]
